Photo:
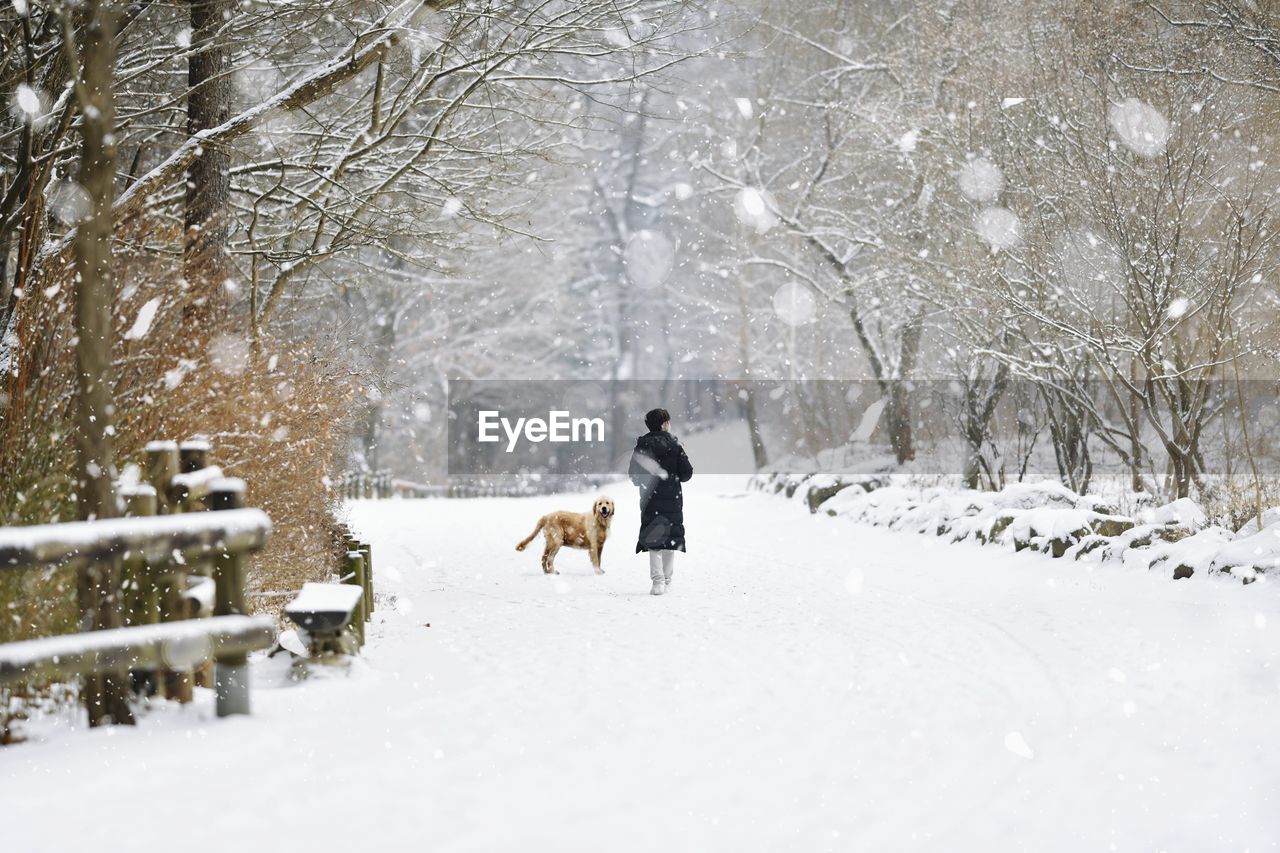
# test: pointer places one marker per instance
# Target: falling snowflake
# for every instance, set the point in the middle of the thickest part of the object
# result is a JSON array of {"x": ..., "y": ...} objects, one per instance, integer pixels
[
  {"x": 794, "y": 304},
  {"x": 981, "y": 180},
  {"x": 649, "y": 258},
  {"x": 752, "y": 207},
  {"x": 70, "y": 203},
  {"x": 230, "y": 354},
  {"x": 617, "y": 37},
  {"x": 1140, "y": 127},
  {"x": 1015, "y": 743},
  {"x": 142, "y": 324},
  {"x": 998, "y": 227},
  {"x": 27, "y": 103}
]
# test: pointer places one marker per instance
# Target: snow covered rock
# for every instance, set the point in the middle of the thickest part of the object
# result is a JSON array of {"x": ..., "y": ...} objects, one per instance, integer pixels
[
  {"x": 1045, "y": 517},
  {"x": 1110, "y": 524},
  {"x": 1183, "y": 512},
  {"x": 1186, "y": 555},
  {"x": 821, "y": 489},
  {"x": 1248, "y": 556}
]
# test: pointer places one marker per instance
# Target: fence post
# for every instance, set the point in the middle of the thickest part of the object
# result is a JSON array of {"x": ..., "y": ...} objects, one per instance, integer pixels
[
  {"x": 355, "y": 575},
  {"x": 142, "y": 594},
  {"x": 367, "y": 549},
  {"x": 193, "y": 455},
  {"x": 162, "y": 466},
  {"x": 231, "y": 675}
]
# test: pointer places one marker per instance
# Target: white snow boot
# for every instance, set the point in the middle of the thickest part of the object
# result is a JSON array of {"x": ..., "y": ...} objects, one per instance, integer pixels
[{"x": 656, "y": 573}]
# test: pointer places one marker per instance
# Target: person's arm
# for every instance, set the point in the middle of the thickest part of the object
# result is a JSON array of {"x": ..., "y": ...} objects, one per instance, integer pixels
[
  {"x": 636, "y": 470},
  {"x": 684, "y": 470}
]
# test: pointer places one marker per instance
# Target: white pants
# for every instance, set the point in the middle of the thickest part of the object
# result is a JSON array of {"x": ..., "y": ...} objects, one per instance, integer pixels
[{"x": 661, "y": 565}]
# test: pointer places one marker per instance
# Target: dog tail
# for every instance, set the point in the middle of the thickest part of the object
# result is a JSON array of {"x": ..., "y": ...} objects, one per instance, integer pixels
[{"x": 535, "y": 532}]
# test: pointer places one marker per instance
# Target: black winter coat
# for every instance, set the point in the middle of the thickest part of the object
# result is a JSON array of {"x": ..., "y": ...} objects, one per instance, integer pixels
[{"x": 658, "y": 466}]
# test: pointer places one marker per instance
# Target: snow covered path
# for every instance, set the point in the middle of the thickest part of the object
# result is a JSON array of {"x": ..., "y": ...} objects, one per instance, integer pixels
[{"x": 809, "y": 685}]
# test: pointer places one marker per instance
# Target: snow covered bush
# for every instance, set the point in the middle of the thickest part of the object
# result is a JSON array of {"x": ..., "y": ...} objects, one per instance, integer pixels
[{"x": 1046, "y": 517}]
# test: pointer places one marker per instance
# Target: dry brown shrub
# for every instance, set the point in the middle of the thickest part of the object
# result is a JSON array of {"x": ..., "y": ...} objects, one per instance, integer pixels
[
  {"x": 1236, "y": 502},
  {"x": 276, "y": 411}
]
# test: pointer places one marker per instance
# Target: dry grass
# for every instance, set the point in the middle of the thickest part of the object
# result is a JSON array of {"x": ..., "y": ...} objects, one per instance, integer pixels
[{"x": 1236, "y": 502}]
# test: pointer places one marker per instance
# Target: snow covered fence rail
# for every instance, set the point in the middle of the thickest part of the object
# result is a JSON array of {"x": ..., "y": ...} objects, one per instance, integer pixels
[
  {"x": 1045, "y": 517},
  {"x": 182, "y": 538},
  {"x": 143, "y": 646}
]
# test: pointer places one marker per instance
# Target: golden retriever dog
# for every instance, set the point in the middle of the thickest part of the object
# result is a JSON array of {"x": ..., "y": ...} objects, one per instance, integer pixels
[{"x": 586, "y": 530}]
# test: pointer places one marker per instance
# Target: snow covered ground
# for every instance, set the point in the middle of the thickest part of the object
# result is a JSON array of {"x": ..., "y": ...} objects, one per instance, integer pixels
[{"x": 811, "y": 684}]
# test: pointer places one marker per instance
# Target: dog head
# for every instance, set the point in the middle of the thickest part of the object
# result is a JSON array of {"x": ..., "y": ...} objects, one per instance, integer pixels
[{"x": 603, "y": 508}]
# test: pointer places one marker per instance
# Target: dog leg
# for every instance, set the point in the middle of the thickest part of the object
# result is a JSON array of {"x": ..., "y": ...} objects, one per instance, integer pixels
[{"x": 549, "y": 559}]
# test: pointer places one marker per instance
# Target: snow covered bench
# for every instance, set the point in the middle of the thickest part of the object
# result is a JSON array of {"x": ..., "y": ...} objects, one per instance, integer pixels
[{"x": 330, "y": 614}]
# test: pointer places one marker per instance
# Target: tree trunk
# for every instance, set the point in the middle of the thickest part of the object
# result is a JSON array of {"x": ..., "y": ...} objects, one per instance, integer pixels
[
  {"x": 98, "y": 589},
  {"x": 898, "y": 411},
  {"x": 758, "y": 452},
  {"x": 383, "y": 344},
  {"x": 980, "y": 401},
  {"x": 1135, "y": 438},
  {"x": 205, "y": 261},
  {"x": 760, "y": 455},
  {"x": 898, "y": 415}
]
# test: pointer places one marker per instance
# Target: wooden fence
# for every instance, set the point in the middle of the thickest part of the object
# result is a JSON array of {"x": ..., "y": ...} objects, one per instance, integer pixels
[
  {"x": 176, "y": 563},
  {"x": 366, "y": 484},
  {"x": 181, "y": 553},
  {"x": 382, "y": 485}
]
